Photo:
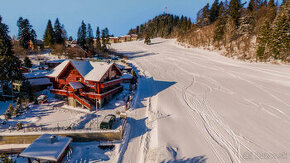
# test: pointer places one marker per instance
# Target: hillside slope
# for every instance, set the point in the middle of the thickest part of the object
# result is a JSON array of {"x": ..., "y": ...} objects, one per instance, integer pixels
[{"x": 196, "y": 105}]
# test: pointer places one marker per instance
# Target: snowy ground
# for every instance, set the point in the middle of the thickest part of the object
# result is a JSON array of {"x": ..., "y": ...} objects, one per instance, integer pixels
[
  {"x": 51, "y": 116},
  {"x": 195, "y": 106}
]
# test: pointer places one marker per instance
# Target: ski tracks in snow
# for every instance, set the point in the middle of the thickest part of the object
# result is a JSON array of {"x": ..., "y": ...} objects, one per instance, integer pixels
[{"x": 215, "y": 129}]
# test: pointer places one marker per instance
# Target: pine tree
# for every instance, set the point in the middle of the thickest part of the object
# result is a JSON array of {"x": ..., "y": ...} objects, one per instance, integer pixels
[
  {"x": 234, "y": 11},
  {"x": 220, "y": 26},
  {"x": 25, "y": 32},
  {"x": 10, "y": 109},
  {"x": 58, "y": 32},
  {"x": 271, "y": 13},
  {"x": 98, "y": 40},
  {"x": 5, "y": 40},
  {"x": 247, "y": 22},
  {"x": 214, "y": 11},
  {"x": 33, "y": 36},
  {"x": 9, "y": 64},
  {"x": 48, "y": 38},
  {"x": 271, "y": 3},
  {"x": 263, "y": 41},
  {"x": 203, "y": 16},
  {"x": 27, "y": 62},
  {"x": 82, "y": 35},
  {"x": 137, "y": 30},
  {"x": 280, "y": 34},
  {"x": 105, "y": 40},
  {"x": 26, "y": 90},
  {"x": 147, "y": 40},
  {"x": 252, "y": 5},
  {"x": 90, "y": 40},
  {"x": 10, "y": 68}
]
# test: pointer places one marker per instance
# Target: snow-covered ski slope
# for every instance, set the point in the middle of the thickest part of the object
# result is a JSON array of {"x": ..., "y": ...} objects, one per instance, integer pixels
[{"x": 198, "y": 106}]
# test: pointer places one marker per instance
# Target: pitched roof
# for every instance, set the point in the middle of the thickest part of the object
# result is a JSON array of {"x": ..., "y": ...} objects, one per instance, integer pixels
[
  {"x": 76, "y": 85},
  {"x": 42, "y": 148},
  {"x": 39, "y": 81},
  {"x": 83, "y": 67},
  {"x": 36, "y": 74},
  {"x": 58, "y": 69},
  {"x": 98, "y": 71},
  {"x": 93, "y": 71}
]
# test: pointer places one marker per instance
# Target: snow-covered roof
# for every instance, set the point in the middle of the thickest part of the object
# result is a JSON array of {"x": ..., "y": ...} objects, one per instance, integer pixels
[
  {"x": 90, "y": 70},
  {"x": 57, "y": 70},
  {"x": 39, "y": 81},
  {"x": 83, "y": 67},
  {"x": 98, "y": 71},
  {"x": 55, "y": 61},
  {"x": 42, "y": 148},
  {"x": 36, "y": 74},
  {"x": 76, "y": 85}
]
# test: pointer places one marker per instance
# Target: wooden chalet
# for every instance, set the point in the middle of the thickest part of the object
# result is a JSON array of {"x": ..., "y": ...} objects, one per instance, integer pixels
[
  {"x": 127, "y": 38},
  {"x": 134, "y": 37},
  {"x": 113, "y": 40},
  {"x": 86, "y": 84},
  {"x": 122, "y": 39}
]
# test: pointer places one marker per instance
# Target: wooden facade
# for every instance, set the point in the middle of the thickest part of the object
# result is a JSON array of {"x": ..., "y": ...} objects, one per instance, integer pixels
[{"x": 88, "y": 93}]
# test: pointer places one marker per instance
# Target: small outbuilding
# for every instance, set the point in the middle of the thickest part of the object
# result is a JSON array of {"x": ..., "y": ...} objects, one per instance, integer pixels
[{"x": 47, "y": 148}]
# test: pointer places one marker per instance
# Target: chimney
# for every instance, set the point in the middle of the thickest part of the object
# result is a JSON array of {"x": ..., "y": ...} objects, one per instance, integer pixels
[{"x": 52, "y": 139}]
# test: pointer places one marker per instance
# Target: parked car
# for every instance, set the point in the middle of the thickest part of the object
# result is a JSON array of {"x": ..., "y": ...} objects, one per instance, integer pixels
[{"x": 108, "y": 121}]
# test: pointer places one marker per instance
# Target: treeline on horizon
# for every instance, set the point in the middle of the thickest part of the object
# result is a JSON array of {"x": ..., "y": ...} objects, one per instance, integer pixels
[
  {"x": 55, "y": 37},
  {"x": 257, "y": 31}
]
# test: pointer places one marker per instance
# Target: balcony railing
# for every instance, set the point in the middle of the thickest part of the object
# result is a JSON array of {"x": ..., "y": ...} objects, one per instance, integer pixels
[
  {"x": 94, "y": 95},
  {"x": 60, "y": 92},
  {"x": 111, "y": 83}
]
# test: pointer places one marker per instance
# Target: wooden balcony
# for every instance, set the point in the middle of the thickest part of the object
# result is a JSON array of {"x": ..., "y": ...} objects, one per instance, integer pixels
[
  {"x": 111, "y": 83},
  {"x": 93, "y": 95}
]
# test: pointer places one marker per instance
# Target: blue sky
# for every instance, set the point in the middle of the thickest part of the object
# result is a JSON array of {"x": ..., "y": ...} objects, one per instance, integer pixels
[{"x": 118, "y": 15}]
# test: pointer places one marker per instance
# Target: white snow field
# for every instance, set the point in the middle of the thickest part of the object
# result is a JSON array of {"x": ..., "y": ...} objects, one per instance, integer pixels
[{"x": 193, "y": 105}]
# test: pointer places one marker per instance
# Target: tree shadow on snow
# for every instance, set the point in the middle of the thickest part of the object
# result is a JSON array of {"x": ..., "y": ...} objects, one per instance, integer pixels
[
  {"x": 149, "y": 87},
  {"x": 152, "y": 88},
  {"x": 136, "y": 54},
  {"x": 141, "y": 129},
  {"x": 198, "y": 159},
  {"x": 154, "y": 43}
]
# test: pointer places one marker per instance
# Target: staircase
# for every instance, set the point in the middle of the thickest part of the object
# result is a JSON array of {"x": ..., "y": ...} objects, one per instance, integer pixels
[{"x": 83, "y": 102}]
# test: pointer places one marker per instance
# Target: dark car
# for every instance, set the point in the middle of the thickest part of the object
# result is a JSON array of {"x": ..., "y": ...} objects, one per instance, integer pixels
[{"x": 108, "y": 121}]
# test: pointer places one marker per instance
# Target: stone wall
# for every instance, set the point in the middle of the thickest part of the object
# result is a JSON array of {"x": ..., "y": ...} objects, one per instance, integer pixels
[{"x": 79, "y": 136}]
